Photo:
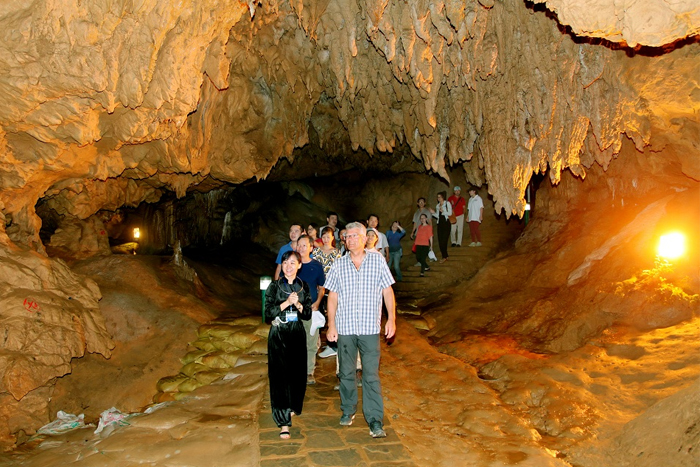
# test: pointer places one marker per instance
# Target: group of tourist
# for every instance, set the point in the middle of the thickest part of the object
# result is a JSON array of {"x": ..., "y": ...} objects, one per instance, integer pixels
[
  {"x": 351, "y": 269},
  {"x": 352, "y": 266},
  {"x": 449, "y": 218}
]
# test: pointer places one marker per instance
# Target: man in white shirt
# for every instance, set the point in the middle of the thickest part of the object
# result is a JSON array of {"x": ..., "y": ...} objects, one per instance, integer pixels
[
  {"x": 475, "y": 214},
  {"x": 358, "y": 283},
  {"x": 382, "y": 244}
]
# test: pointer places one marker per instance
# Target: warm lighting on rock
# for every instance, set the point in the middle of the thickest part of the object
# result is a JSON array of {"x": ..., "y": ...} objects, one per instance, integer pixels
[
  {"x": 137, "y": 233},
  {"x": 671, "y": 246}
]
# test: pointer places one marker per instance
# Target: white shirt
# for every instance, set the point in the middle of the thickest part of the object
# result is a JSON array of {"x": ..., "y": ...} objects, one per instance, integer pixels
[
  {"x": 474, "y": 208},
  {"x": 382, "y": 243},
  {"x": 446, "y": 210}
]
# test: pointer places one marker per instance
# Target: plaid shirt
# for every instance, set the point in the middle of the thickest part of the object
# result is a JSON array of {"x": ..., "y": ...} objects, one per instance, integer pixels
[{"x": 359, "y": 293}]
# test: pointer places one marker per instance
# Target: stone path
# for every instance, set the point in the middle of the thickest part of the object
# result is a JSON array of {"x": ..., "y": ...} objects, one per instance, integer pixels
[{"x": 319, "y": 440}]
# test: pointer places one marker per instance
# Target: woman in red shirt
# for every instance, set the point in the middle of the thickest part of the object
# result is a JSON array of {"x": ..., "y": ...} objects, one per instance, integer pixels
[{"x": 424, "y": 243}]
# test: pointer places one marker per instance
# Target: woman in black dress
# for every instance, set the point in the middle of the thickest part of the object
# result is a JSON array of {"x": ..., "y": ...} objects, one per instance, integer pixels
[
  {"x": 442, "y": 212},
  {"x": 287, "y": 301}
]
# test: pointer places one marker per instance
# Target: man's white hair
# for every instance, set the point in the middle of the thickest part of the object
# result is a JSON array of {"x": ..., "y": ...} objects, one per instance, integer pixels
[{"x": 357, "y": 225}]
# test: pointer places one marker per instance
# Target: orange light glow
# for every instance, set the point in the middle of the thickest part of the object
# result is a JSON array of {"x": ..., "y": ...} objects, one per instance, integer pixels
[
  {"x": 137, "y": 233},
  {"x": 671, "y": 246}
]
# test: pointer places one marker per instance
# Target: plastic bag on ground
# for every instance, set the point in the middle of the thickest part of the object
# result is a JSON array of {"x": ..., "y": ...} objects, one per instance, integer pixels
[
  {"x": 111, "y": 417},
  {"x": 64, "y": 422}
]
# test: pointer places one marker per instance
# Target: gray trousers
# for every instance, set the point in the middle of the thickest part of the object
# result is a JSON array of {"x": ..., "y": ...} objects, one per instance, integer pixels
[
  {"x": 312, "y": 345},
  {"x": 372, "y": 403}
]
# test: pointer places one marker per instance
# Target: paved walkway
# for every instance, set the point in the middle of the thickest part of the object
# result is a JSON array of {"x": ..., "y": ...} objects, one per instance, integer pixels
[{"x": 319, "y": 440}]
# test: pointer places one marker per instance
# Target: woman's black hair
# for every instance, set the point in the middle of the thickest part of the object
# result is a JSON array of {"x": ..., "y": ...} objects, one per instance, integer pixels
[
  {"x": 328, "y": 229},
  {"x": 421, "y": 198},
  {"x": 287, "y": 254}
]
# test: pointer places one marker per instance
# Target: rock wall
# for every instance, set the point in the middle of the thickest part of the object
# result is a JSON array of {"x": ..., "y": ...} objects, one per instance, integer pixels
[
  {"x": 49, "y": 316},
  {"x": 111, "y": 105}
]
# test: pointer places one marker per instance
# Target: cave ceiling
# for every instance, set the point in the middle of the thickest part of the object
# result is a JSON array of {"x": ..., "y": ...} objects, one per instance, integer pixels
[{"x": 113, "y": 103}]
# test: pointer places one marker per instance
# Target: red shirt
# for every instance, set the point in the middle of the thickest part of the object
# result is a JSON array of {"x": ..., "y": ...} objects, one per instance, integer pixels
[
  {"x": 458, "y": 205},
  {"x": 424, "y": 234}
]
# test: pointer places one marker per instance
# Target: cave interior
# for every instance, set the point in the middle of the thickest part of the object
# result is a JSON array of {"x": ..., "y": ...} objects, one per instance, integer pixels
[{"x": 569, "y": 338}]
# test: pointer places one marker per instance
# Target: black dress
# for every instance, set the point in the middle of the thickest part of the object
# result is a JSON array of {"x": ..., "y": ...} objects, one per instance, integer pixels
[{"x": 286, "y": 350}]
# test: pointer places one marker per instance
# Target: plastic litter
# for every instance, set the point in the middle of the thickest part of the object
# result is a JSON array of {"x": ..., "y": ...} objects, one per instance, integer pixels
[
  {"x": 317, "y": 321},
  {"x": 431, "y": 256},
  {"x": 112, "y": 418},
  {"x": 64, "y": 422}
]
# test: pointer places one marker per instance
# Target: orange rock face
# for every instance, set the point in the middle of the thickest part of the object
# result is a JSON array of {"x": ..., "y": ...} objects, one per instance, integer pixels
[{"x": 112, "y": 105}]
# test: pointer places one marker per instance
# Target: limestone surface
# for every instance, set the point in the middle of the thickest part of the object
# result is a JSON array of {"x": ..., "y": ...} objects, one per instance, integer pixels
[
  {"x": 50, "y": 315},
  {"x": 113, "y": 104}
]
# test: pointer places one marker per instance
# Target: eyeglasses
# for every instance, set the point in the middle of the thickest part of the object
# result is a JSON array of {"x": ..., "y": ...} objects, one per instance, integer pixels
[{"x": 347, "y": 236}]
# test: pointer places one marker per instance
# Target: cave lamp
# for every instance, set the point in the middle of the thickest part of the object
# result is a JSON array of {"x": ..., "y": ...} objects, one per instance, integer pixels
[
  {"x": 671, "y": 246},
  {"x": 137, "y": 233}
]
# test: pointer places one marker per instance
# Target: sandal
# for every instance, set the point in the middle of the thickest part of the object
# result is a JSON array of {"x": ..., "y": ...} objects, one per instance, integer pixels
[{"x": 284, "y": 434}]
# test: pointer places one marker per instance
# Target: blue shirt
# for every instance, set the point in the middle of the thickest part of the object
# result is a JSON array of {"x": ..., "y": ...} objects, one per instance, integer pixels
[
  {"x": 359, "y": 292},
  {"x": 312, "y": 274},
  {"x": 283, "y": 250},
  {"x": 394, "y": 239}
]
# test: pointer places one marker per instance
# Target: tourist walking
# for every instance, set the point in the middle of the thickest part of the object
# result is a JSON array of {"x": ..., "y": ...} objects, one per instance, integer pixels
[
  {"x": 382, "y": 243},
  {"x": 311, "y": 273},
  {"x": 423, "y": 243},
  {"x": 416, "y": 216},
  {"x": 357, "y": 283},
  {"x": 458, "y": 207},
  {"x": 295, "y": 232},
  {"x": 326, "y": 255},
  {"x": 475, "y": 215},
  {"x": 442, "y": 212},
  {"x": 287, "y": 301},
  {"x": 313, "y": 233},
  {"x": 394, "y": 236},
  {"x": 332, "y": 219}
]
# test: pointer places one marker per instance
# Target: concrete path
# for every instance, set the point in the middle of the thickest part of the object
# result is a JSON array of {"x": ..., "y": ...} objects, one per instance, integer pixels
[{"x": 319, "y": 440}]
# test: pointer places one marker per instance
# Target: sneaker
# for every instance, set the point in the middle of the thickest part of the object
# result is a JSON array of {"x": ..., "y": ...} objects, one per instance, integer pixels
[
  {"x": 422, "y": 275},
  {"x": 328, "y": 352},
  {"x": 472, "y": 244},
  {"x": 458, "y": 245},
  {"x": 427, "y": 269},
  {"x": 376, "y": 430},
  {"x": 310, "y": 380},
  {"x": 454, "y": 244},
  {"x": 478, "y": 244},
  {"x": 336, "y": 387},
  {"x": 417, "y": 265},
  {"x": 346, "y": 420}
]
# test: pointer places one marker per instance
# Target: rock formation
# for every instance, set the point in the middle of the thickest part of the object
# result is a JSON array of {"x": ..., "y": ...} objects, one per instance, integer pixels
[{"x": 113, "y": 105}]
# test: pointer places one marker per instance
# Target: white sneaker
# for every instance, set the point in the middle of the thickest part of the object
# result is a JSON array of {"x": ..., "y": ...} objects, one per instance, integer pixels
[
  {"x": 417, "y": 265},
  {"x": 472, "y": 244},
  {"x": 328, "y": 352},
  {"x": 478, "y": 244}
]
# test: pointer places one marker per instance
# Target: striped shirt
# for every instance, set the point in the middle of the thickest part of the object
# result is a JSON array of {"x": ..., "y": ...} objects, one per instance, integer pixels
[{"x": 359, "y": 293}]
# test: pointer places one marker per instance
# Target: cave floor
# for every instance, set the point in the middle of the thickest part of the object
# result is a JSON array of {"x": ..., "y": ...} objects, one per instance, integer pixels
[{"x": 441, "y": 407}]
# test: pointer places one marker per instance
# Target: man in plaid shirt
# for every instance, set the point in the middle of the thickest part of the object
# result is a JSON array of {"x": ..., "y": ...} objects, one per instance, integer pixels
[{"x": 357, "y": 282}]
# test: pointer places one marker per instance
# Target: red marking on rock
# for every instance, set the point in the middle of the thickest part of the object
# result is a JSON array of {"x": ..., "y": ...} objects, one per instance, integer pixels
[{"x": 31, "y": 305}]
